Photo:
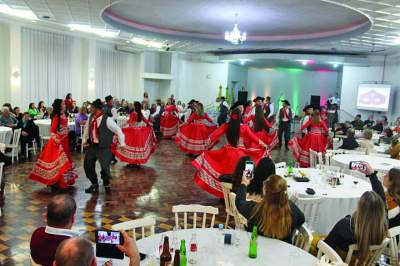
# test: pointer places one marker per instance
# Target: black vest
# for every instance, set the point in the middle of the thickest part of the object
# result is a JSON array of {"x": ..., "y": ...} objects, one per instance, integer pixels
[{"x": 105, "y": 135}]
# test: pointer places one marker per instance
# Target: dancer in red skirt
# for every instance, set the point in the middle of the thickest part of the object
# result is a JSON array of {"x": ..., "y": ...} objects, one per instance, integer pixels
[
  {"x": 193, "y": 136},
  {"x": 55, "y": 162},
  {"x": 261, "y": 125},
  {"x": 316, "y": 139},
  {"x": 214, "y": 163},
  {"x": 169, "y": 121},
  {"x": 140, "y": 140}
]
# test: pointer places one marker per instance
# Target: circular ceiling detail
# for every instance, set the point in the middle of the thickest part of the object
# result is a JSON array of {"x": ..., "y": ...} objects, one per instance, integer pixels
[{"x": 273, "y": 21}]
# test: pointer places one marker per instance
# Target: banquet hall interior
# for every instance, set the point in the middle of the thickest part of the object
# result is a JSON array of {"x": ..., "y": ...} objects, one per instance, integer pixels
[{"x": 229, "y": 132}]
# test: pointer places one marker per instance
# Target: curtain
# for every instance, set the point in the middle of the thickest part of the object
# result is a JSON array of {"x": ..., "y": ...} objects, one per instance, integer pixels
[
  {"x": 46, "y": 71},
  {"x": 113, "y": 72}
]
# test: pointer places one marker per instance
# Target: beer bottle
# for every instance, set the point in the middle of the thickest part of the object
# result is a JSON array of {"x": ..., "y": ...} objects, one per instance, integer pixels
[
  {"x": 253, "y": 244},
  {"x": 183, "y": 258},
  {"x": 177, "y": 260},
  {"x": 165, "y": 257}
]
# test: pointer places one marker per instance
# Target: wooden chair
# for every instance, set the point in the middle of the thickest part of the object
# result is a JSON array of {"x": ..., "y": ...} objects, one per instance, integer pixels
[
  {"x": 81, "y": 137},
  {"x": 195, "y": 209},
  {"x": 143, "y": 223},
  {"x": 33, "y": 148},
  {"x": 320, "y": 158},
  {"x": 375, "y": 253},
  {"x": 325, "y": 250},
  {"x": 280, "y": 165},
  {"x": 394, "y": 235},
  {"x": 14, "y": 146},
  {"x": 313, "y": 158},
  {"x": 239, "y": 218},
  {"x": 303, "y": 238},
  {"x": 226, "y": 189},
  {"x": 310, "y": 207}
]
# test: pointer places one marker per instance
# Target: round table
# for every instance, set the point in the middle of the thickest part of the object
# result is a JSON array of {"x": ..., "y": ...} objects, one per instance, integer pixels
[
  {"x": 5, "y": 135},
  {"x": 337, "y": 202},
  {"x": 44, "y": 126},
  {"x": 212, "y": 251},
  {"x": 378, "y": 163}
]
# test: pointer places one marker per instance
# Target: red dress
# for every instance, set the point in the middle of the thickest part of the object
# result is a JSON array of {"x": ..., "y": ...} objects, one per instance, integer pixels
[
  {"x": 169, "y": 121},
  {"x": 315, "y": 139},
  {"x": 54, "y": 163},
  {"x": 140, "y": 141},
  {"x": 271, "y": 139},
  {"x": 210, "y": 165},
  {"x": 193, "y": 136}
]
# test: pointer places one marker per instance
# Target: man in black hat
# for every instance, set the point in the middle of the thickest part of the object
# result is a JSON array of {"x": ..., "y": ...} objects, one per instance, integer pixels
[
  {"x": 223, "y": 111},
  {"x": 269, "y": 107},
  {"x": 99, "y": 132},
  {"x": 285, "y": 118},
  {"x": 258, "y": 101},
  {"x": 109, "y": 107}
]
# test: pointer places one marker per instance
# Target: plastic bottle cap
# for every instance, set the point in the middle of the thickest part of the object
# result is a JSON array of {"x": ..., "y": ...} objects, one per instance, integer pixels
[{"x": 220, "y": 226}]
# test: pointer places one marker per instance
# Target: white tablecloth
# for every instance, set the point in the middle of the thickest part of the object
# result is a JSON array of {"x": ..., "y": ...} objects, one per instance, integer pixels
[
  {"x": 378, "y": 163},
  {"x": 212, "y": 251},
  {"x": 337, "y": 201},
  {"x": 5, "y": 135},
  {"x": 44, "y": 126}
]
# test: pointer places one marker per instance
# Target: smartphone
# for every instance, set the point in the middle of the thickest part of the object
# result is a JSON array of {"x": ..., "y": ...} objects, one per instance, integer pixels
[
  {"x": 357, "y": 165},
  {"x": 106, "y": 244},
  {"x": 249, "y": 169}
]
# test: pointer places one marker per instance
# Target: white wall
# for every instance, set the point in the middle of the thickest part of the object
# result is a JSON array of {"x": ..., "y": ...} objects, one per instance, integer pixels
[
  {"x": 237, "y": 77},
  {"x": 4, "y": 63},
  {"x": 294, "y": 85}
]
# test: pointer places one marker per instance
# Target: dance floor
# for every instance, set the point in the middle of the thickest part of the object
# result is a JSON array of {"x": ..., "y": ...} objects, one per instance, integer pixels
[{"x": 150, "y": 190}]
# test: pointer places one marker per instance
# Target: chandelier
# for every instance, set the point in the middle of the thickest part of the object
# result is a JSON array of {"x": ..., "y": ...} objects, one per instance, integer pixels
[{"x": 235, "y": 36}]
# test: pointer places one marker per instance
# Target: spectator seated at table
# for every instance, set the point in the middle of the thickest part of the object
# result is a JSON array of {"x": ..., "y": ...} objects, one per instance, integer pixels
[
  {"x": 275, "y": 216},
  {"x": 48, "y": 112},
  {"x": 367, "y": 142},
  {"x": 60, "y": 219},
  {"x": 366, "y": 227},
  {"x": 8, "y": 105},
  {"x": 357, "y": 123},
  {"x": 396, "y": 128},
  {"x": 17, "y": 112},
  {"x": 236, "y": 177},
  {"x": 79, "y": 251},
  {"x": 350, "y": 142},
  {"x": 341, "y": 128},
  {"x": 33, "y": 111},
  {"x": 394, "y": 150},
  {"x": 80, "y": 119},
  {"x": 369, "y": 123},
  {"x": 7, "y": 120},
  {"x": 380, "y": 124},
  {"x": 264, "y": 169},
  {"x": 29, "y": 132},
  {"x": 387, "y": 136}
]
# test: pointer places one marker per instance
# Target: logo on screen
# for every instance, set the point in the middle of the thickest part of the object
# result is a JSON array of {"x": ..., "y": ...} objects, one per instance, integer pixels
[{"x": 372, "y": 97}]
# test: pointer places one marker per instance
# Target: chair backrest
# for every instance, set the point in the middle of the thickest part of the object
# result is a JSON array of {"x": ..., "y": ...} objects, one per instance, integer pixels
[
  {"x": 328, "y": 158},
  {"x": 16, "y": 136},
  {"x": 335, "y": 143},
  {"x": 195, "y": 209},
  {"x": 280, "y": 165},
  {"x": 320, "y": 158},
  {"x": 374, "y": 253},
  {"x": 310, "y": 207},
  {"x": 303, "y": 238},
  {"x": 1, "y": 172},
  {"x": 313, "y": 158},
  {"x": 394, "y": 235},
  {"x": 143, "y": 223},
  {"x": 330, "y": 253},
  {"x": 239, "y": 218},
  {"x": 226, "y": 189}
]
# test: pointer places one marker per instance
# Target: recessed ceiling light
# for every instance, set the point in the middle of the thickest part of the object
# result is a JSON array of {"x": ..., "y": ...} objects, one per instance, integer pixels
[
  {"x": 396, "y": 41},
  {"x": 20, "y": 13},
  {"x": 242, "y": 62},
  {"x": 305, "y": 62},
  {"x": 147, "y": 43},
  {"x": 98, "y": 31}
]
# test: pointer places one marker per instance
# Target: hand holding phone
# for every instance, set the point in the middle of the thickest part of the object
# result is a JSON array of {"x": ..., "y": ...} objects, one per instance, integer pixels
[
  {"x": 361, "y": 166},
  {"x": 106, "y": 244},
  {"x": 249, "y": 169}
]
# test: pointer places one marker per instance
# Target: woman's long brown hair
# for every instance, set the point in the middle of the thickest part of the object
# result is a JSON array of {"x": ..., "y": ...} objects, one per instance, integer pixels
[
  {"x": 259, "y": 124},
  {"x": 394, "y": 188},
  {"x": 274, "y": 210}
]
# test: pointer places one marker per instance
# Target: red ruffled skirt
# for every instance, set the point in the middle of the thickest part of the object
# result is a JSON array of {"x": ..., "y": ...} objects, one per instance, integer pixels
[
  {"x": 141, "y": 143},
  {"x": 301, "y": 146},
  {"x": 192, "y": 138},
  {"x": 169, "y": 125},
  {"x": 53, "y": 166},
  {"x": 210, "y": 165}
]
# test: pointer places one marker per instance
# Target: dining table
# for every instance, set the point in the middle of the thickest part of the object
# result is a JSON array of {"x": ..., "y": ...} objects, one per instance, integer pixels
[
  {"x": 380, "y": 164},
  {"x": 45, "y": 124},
  {"x": 5, "y": 135},
  {"x": 337, "y": 201},
  {"x": 211, "y": 250}
]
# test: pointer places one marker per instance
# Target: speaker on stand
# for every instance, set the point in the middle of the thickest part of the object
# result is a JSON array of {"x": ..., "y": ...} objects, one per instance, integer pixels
[{"x": 242, "y": 97}]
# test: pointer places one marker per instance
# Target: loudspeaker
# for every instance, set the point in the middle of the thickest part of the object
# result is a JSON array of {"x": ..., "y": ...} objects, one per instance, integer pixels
[
  {"x": 315, "y": 101},
  {"x": 242, "y": 97}
]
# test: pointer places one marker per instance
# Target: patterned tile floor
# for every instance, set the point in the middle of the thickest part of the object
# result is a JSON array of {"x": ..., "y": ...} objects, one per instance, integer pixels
[{"x": 151, "y": 190}]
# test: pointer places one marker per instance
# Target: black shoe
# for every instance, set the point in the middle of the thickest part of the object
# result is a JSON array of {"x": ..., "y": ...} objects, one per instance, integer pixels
[
  {"x": 107, "y": 189},
  {"x": 92, "y": 189}
]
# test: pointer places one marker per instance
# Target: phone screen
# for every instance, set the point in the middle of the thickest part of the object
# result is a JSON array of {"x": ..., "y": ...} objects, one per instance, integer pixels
[
  {"x": 249, "y": 169},
  {"x": 357, "y": 165},
  {"x": 106, "y": 242}
]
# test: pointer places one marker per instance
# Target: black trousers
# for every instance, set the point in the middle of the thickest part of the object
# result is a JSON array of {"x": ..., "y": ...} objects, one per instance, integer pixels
[
  {"x": 284, "y": 129},
  {"x": 104, "y": 156},
  {"x": 25, "y": 140}
]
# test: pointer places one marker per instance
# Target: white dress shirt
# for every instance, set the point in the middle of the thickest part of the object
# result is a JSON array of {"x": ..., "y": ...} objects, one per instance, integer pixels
[
  {"x": 111, "y": 125},
  {"x": 60, "y": 231},
  {"x": 157, "y": 112}
]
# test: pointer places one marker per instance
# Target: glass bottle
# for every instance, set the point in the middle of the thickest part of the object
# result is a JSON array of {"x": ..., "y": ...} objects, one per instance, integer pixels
[{"x": 165, "y": 257}]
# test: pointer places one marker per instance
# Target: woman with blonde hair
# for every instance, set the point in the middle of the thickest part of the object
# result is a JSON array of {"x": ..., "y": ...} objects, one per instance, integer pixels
[
  {"x": 366, "y": 227},
  {"x": 275, "y": 216},
  {"x": 367, "y": 142}
]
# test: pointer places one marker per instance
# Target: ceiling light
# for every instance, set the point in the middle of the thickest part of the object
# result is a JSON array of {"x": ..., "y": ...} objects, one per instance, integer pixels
[
  {"x": 242, "y": 62},
  {"x": 235, "y": 36},
  {"x": 20, "y": 13},
  {"x": 396, "y": 41},
  {"x": 335, "y": 65},
  {"x": 306, "y": 62},
  {"x": 98, "y": 31},
  {"x": 147, "y": 43}
]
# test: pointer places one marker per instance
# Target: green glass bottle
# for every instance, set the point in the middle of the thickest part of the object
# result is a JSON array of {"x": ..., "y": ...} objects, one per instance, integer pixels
[
  {"x": 253, "y": 244},
  {"x": 183, "y": 253}
]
